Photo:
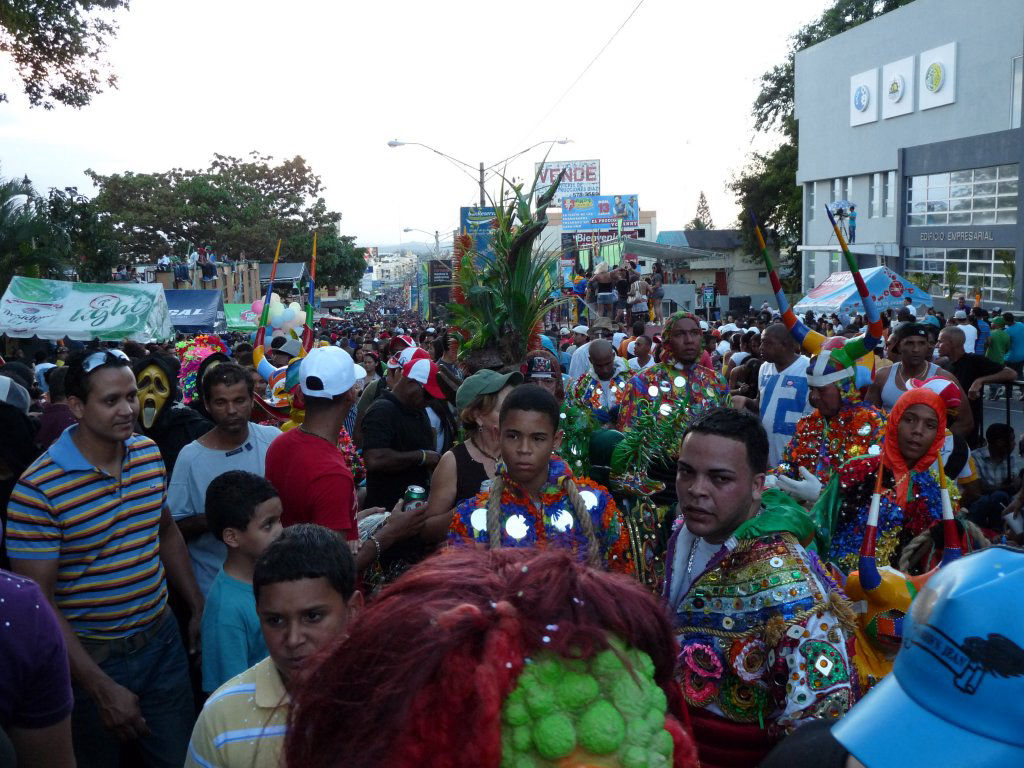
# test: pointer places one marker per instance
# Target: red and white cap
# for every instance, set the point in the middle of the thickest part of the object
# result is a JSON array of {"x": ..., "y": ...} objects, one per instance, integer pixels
[
  {"x": 424, "y": 370},
  {"x": 399, "y": 359},
  {"x": 944, "y": 388},
  {"x": 399, "y": 341}
]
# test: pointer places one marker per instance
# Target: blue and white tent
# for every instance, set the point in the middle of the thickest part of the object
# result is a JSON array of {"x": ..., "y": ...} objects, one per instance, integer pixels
[{"x": 838, "y": 293}]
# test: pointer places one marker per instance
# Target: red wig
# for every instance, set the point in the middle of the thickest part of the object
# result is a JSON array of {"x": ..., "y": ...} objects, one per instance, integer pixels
[{"x": 421, "y": 680}]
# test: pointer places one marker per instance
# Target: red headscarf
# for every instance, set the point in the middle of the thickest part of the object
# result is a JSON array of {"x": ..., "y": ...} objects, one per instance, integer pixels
[{"x": 891, "y": 455}]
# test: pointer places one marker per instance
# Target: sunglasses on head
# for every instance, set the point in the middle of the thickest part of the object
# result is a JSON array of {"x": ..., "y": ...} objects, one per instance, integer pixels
[{"x": 96, "y": 359}]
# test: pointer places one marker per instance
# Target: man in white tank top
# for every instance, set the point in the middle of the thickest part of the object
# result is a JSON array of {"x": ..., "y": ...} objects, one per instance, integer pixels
[{"x": 913, "y": 349}]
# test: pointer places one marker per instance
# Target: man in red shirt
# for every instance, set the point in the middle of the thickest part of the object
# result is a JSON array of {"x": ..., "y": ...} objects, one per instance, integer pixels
[{"x": 309, "y": 471}]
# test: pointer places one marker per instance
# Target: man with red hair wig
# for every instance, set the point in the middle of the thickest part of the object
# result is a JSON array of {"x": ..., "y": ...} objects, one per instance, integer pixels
[{"x": 478, "y": 659}]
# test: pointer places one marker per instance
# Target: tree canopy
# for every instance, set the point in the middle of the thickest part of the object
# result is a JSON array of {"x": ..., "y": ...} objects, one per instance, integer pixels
[
  {"x": 57, "y": 48},
  {"x": 767, "y": 185},
  {"x": 237, "y": 206}
]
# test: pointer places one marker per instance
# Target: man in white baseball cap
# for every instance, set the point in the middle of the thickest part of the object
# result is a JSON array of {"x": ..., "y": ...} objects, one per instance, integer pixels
[{"x": 307, "y": 469}]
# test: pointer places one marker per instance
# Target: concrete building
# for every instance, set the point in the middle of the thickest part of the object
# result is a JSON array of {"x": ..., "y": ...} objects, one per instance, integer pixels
[{"x": 915, "y": 117}]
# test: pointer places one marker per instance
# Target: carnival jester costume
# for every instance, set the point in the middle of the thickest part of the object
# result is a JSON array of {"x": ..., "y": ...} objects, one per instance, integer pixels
[
  {"x": 575, "y": 514},
  {"x": 763, "y": 632},
  {"x": 910, "y": 501},
  {"x": 822, "y": 443}
]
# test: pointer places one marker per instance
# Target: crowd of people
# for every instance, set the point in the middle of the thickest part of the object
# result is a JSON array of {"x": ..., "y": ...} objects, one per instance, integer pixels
[{"x": 756, "y": 540}]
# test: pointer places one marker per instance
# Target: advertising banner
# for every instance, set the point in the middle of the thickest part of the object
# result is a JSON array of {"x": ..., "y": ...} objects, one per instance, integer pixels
[
  {"x": 478, "y": 223},
  {"x": 240, "y": 317},
  {"x": 600, "y": 212},
  {"x": 582, "y": 178},
  {"x": 196, "y": 311},
  {"x": 370, "y": 252},
  {"x": 440, "y": 272},
  {"x": 53, "y": 309}
]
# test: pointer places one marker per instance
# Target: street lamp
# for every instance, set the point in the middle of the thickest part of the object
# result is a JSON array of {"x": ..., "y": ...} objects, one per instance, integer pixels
[
  {"x": 483, "y": 197},
  {"x": 437, "y": 238}
]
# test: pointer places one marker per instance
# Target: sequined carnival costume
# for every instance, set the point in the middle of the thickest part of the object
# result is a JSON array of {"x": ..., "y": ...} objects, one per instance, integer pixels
[
  {"x": 910, "y": 501},
  {"x": 660, "y": 402},
  {"x": 821, "y": 444},
  {"x": 588, "y": 525},
  {"x": 588, "y": 393},
  {"x": 763, "y": 632}
]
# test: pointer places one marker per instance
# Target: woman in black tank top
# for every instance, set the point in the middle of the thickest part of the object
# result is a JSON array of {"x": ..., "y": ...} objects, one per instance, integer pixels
[{"x": 465, "y": 468}]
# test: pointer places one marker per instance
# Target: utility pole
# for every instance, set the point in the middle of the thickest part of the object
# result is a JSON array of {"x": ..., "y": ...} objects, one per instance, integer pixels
[{"x": 483, "y": 201}]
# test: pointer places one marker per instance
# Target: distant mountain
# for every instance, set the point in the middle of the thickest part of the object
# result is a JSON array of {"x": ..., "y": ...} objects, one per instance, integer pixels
[{"x": 419, "y": 248}]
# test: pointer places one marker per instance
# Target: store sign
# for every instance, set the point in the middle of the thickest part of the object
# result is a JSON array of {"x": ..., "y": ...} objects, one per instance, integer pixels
[
  {"x": 582, "y": 177},
  {"x": 937, "y": 76},
  {"x": 479, "y": 223},
  {"x": 600, "y": 212},
  {"x": 863, "y": 106}
]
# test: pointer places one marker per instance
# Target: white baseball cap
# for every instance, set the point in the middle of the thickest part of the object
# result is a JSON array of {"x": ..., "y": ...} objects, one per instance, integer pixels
[
  {"x": 581, "y": 329},
  {"x": 959, "y": 315},
  {"x": 328, "y": 372}
]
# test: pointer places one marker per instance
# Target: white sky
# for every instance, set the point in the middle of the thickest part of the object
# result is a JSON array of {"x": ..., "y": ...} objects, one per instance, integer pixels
[{"x": 334, "y": 81}]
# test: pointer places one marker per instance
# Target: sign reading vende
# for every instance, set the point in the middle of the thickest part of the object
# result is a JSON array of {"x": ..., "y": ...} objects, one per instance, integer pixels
[
  {"x": 53, "y": 309},
  {"x": 582, "y": 177}
]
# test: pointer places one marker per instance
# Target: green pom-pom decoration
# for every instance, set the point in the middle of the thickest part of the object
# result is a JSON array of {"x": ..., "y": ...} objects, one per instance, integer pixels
[
  {"x": 576, "y": 691},
  {"x": 540, "y": 700},
  {"x": 516, "y": 713},
  {"x": 555, "y": 736},
  {"x": 602, "y": 729},
  {"x": 606, "y": 705}
]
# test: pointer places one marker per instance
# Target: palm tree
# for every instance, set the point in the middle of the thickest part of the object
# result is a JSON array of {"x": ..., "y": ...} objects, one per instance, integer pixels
[{"x": 29, "y": 246}]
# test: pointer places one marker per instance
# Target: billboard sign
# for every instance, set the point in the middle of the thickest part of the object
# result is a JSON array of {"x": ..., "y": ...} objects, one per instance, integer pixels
[
  {"x": 582, "y": 178},
  {"x": 478, "y": 223},
  {"x": 370, "y": 252},
  {"x": 600, "y": 212},
  {"x": 440, "y": 272}
]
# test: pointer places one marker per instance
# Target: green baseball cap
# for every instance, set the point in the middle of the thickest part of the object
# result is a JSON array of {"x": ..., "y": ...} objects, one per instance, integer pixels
[{"x": 484, "y": 382}]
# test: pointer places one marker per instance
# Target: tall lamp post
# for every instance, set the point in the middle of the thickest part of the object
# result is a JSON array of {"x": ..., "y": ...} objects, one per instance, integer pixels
[
  {"x": 437, "y": 254},
  {"x": 463, "y": 166}
]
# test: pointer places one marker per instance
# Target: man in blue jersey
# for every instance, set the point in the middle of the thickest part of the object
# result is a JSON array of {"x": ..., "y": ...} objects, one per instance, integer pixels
[
  {"x": 88, "y": 522},
  {"x": 781, "y": 389}
]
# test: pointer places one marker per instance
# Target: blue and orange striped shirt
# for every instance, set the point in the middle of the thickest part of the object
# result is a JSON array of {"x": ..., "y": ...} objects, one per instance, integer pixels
[{"x": 104, "y": 532}]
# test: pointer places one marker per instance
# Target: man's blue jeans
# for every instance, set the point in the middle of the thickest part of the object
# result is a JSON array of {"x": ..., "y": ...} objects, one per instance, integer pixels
[{"x": 158, "y": 674}]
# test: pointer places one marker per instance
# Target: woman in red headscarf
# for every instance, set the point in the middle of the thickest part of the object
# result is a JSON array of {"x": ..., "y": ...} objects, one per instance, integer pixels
[{"x": 910, "y": 491}]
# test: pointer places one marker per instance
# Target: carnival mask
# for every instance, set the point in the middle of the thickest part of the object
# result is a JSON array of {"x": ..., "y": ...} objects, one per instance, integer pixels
[{"x": 154, "y": 391}]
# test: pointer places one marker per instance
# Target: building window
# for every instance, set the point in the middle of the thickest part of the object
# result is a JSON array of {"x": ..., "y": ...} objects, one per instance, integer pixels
[
  {"x": 976, "y": 196},
  {"x": 811, "y": 204},
  {"x": 874, "y": 202},
  {"x": 848, "y": 189},
  {"x": 762, "y": 277},
  {"x": 837, "y": 190},
  {"x": 889, "y": 194},
  {"x": 1017, "y": 90},
  {"x": 988, "y": 271}
]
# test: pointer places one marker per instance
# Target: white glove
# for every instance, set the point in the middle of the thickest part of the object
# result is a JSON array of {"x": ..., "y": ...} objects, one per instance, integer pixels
[
  {"x": 770, "y": 482},
  {"x": 807, "y": 489}
]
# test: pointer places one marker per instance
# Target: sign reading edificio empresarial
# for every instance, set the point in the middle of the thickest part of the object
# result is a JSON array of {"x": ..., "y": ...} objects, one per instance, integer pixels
[
  {"x": 582, "y": 178},
  {"x": 53, "y": 309}
]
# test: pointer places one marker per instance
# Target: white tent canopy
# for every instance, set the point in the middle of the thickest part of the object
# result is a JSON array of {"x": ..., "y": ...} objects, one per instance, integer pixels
[{"x": 55, "y": 309}]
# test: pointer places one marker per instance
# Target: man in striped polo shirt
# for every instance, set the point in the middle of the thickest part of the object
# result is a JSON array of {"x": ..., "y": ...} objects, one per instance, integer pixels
[{"x": 88, "y": 522}]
